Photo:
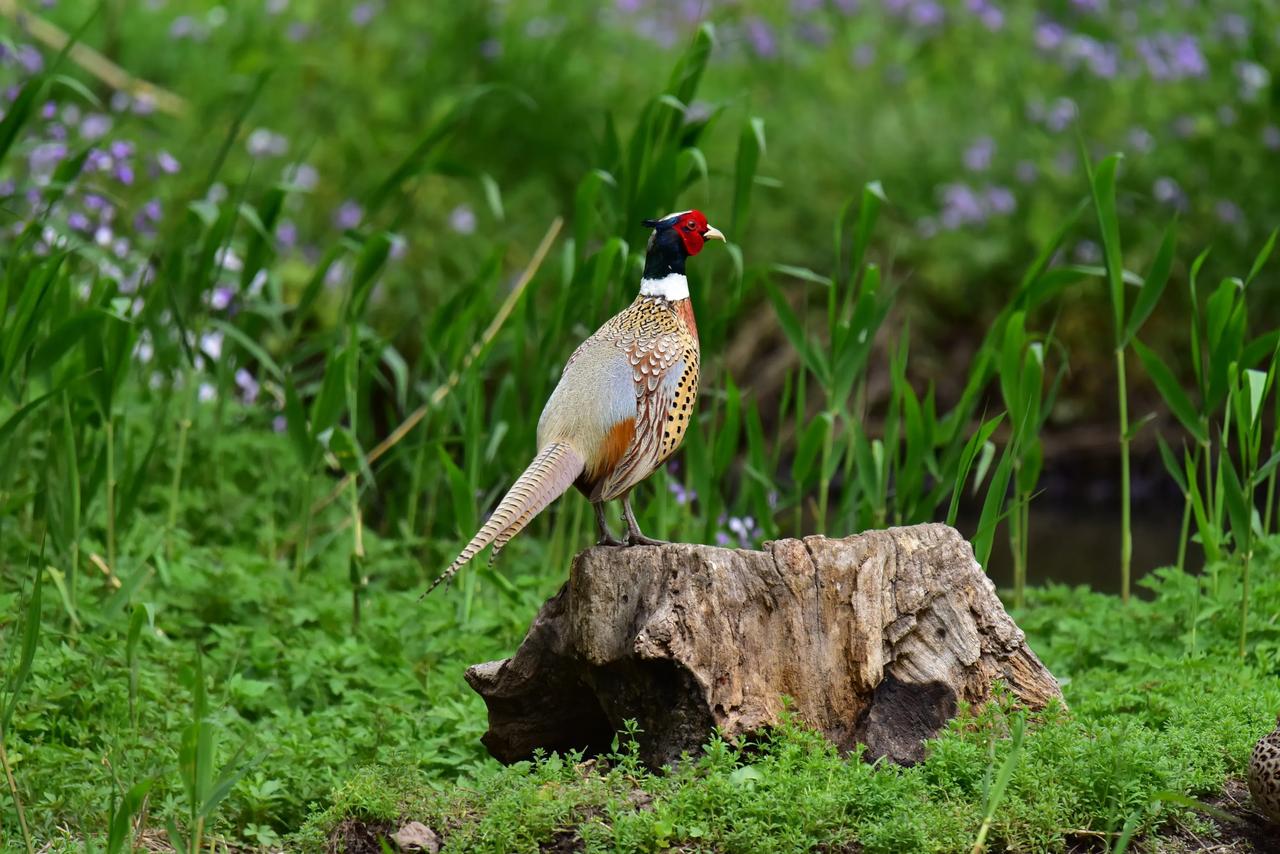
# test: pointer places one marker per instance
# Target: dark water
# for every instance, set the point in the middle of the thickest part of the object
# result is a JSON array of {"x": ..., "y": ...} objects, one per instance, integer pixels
[{"x": 1081, "y": 545}]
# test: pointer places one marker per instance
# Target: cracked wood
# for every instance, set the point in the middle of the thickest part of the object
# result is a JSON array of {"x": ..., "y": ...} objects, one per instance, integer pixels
[{"x": 876, "y": 638}]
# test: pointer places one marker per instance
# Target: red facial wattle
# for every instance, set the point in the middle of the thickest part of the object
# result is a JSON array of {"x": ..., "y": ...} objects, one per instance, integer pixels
[{"x": 692, "y": 228}]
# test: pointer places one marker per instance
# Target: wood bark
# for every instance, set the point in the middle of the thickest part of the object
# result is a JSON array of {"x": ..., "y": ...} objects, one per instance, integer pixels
[{"x": 875, "y": 639}]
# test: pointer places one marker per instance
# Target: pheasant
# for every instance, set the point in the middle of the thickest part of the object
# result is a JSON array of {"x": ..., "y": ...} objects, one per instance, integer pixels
[
  {"x": 623, "y": 402},
  {"x": 1264, "y": 774}
]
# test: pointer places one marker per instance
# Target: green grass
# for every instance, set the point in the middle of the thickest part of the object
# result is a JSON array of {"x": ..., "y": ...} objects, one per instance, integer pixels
[{"x": 1143, "y": 721}]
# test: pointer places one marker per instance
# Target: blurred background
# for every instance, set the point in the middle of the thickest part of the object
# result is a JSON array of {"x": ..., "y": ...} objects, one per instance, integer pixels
[{"x": 972, "y": 115}]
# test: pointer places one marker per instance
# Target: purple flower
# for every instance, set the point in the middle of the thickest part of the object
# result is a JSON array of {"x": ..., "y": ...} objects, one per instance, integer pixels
[
  {"x": 1271, "y": 137},
  {"x": 187, "y": 27},
  {"x": 304, "y": 176},
  {"x": 263, "y": 143},
  {"x": 1026, "y": 171},
  {"x": 1254, "y": 79},
  {"x": 462, "y": 219},
  {"x": 30, "y": 59},
  {"x": 257, "y": 283},
  {"x": 206, "y": 393},
  {"x": 336, "y": 274},
  {"x": 988, "y": 13},
  {"x": 813, "y": 33},
  {"x": 151, "y": 210},
  {"x": 761, "y": 38},
  {"x": 120, "y": 149},
  {"x": 120, "y": 102},
  {"x": 961, "y": 206},
  {"x": 286, "y": 234},
  {"x": 220, "y": 298},
  {"x": 276, "y": 7},
  {"x": 1061, "y": 115},
  {"x": 1172, "y": 57},
  {"x": 864, "y": 54},
  {"x": 1228, "y": 212},
  {"x": 45, "y": 157},
  {"x": 399, "y": 246},
  {"x": 1166, "y": 191},
  {"x": 1141, "y": 140},
  {"x": 1234, "y": 26},
  {"x": 227, "y": 259},
  {"x": 211, "y": 344},
  {"x": 682, "y": 495},
  {"x": 77, "y": 221},
  {"x": 248, "y": 386},
  {"x": 348, "y": 215},
  {"x": 1049, "y": 35},
  {"x": 746, "y": 530},
  {"x": 364, "y": 13},
  {"x": 977, "y": 157},
  {"x": 298, "y": 31},
  {"x": 98, "y": 161},
  {"x": 95, "y": 126},
  {"x": 48, "y": 110},
  {"x": 1087, "y": 252},
  {"x": 168, "y": 163},
  {"x": 1000, "y": 200},
  {"x": 124, "y": 174},
  {"x": 926, "y": 13},
  {"x": 279, "y": 424}
]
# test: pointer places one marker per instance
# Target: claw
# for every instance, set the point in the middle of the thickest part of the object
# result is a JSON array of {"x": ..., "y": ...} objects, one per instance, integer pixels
[{"x": 635, "y": 538}]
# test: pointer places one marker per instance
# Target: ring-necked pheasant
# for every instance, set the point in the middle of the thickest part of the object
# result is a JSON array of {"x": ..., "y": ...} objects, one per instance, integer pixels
[
  {"x": 1264, "y": 774},
  {"x": 623, "y": 401}
]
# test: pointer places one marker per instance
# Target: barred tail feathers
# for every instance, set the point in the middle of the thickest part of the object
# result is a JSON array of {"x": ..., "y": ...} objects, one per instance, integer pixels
[{"x": 552, "y": 472}]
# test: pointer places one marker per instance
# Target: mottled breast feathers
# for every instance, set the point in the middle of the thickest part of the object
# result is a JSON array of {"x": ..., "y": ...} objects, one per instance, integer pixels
[{"x": 643, "y": 368}]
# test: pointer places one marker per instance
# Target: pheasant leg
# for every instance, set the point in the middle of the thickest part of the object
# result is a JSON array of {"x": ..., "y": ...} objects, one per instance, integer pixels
[
  {"x": 606, "y": 536},
  {"x": 636, "y": 537}
]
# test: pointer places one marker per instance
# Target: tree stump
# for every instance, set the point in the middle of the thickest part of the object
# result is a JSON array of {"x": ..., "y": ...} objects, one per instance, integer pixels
[{"x": 875, "y": 638}]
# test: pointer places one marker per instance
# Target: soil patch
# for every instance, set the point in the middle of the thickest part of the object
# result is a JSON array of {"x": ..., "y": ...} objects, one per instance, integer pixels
[
  {"x": 1251, "y": 834},
  {"x": 357, "y": 836}
]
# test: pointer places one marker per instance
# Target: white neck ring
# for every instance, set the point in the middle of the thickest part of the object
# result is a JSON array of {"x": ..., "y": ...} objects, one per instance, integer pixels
[{"x": 671, "y": 287}]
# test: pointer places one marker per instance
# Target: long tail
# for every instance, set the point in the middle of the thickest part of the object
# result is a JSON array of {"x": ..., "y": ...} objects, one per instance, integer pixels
[{"x": 553, "y": 471}]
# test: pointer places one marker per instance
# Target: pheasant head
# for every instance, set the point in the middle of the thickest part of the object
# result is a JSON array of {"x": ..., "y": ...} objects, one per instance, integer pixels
[{"x": 675, "y": 237}]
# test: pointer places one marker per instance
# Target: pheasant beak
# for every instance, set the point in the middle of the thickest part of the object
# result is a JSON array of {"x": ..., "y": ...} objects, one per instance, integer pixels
[{"x": 713, "y": 233}]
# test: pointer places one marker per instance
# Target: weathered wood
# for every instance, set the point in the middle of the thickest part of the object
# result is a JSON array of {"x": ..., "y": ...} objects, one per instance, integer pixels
[{"x": 875, "y": 638}]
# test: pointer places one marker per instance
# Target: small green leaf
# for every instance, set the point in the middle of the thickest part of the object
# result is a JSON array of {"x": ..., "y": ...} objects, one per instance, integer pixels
[
  {"x": 1262, "y": 257},
  {"x": 1174, "y": 397},
  {"x": 1257, "y": 381},
  {"x": 1104, "y": 200},
  {"x": 1152, "y": 287}
]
